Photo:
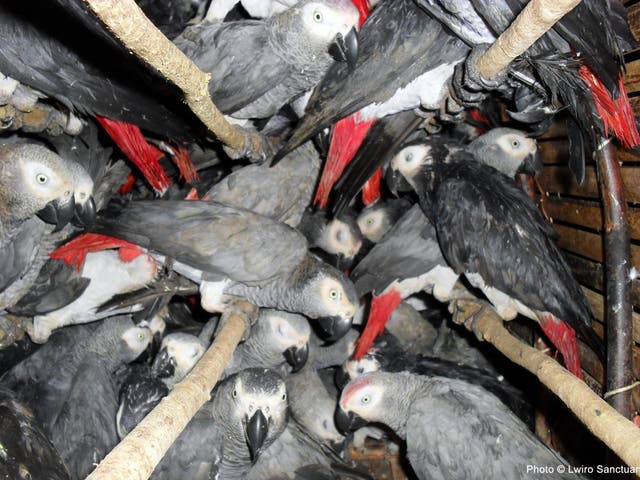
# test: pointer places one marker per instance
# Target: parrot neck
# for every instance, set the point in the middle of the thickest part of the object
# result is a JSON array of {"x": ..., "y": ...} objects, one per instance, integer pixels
[{"x": 402, "y": 399}]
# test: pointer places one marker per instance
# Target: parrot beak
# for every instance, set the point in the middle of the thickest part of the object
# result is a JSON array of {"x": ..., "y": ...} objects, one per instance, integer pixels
[
  {"x": 345, "y": 49},
  {"x": 347, "y": 422},
  {"x": 336, "y": 446},
  {"x": 532, "y": 164},
  {"x": 396, "y": 182},
  {"x": 297, "y": 357},
  {"x": 164, "y": 365},
  {"x": 58, "y": 213},
  {"x": 334, "y": 328},
  {"x": 342, "y": 377},
  {"x": 256, "y": 430},
  {"x": 85, "y": 213}
]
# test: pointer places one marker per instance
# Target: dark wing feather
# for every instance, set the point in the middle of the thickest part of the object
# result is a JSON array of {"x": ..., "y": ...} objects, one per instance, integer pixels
[
  {"x": 408, "y": 250},
  {"x": 399, "y": 42},
  {"x": 487, "y": 225},
  {"x": 381, "y": 142}
]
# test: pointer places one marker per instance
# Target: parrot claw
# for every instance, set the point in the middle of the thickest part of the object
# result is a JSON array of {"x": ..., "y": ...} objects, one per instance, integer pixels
[
  {"x": 468, "y": 87},
  {"x": 245, "y": 310},
  {"x": 466, "y": 312},
  {"x": 256, "y": 148}
]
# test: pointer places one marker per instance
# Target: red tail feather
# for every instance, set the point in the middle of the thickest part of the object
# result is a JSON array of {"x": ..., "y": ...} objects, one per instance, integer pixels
[
  {"x": 363, "y": 10},
  {"x": 617, "y": 115},
  {"x": 145, "y": 156},
  {"x": 480, "y": 118},
  {"x": 381, "y": 309},
  {"x": 371, "y": 190},
  {"x": 75, "y": 251},
  {"x": 564, "y": 339},
  {"x": 188, "y": 171},
  {"x": 347, "y": 137},
  {"x": 192, "y": 195},
  {"x": 128, "y": 185}
]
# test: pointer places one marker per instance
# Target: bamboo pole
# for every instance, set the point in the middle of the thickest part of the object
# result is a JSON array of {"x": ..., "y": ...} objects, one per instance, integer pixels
[
  {"x": 617, "y": 432},
  {"x": 128, "y": 23},
  {"x": 532, "y": 22},
  {"x": 136, "y": 456}
]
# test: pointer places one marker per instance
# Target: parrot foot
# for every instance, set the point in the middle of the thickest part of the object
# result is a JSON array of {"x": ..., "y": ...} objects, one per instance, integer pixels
[
  {"x": 466, "y": 312},
  {"x": 245, "y": 310},
  {"x": 468, "y": 87},
  {"x": 256, "y": 148}
]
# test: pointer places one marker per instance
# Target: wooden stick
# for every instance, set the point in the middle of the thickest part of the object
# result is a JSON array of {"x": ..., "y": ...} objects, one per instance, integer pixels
[
  {"x": 139, "y": 35},
  {"x": 618, "y": 433},
  {"x": 135, "y": 457},
  {"x": 532, "y": 22}
]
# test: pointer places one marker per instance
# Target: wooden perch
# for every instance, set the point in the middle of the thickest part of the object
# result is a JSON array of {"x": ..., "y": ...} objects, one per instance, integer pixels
[
  {"x": 136, "y": 456},
  {"x": 533, "y": 22},
  {"x": 128, "y": 23},
  {"x": 618, "y": 433}
]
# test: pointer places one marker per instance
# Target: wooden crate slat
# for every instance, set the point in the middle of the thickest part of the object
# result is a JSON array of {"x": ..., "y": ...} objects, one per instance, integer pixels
[
  {"x": 632, "y": 76},
  {"x": 587, "y": 213},
  {"x": 559, "y": 179},
  {"x": 591, "y": 274},
  {"x": 597, "y": 304}
]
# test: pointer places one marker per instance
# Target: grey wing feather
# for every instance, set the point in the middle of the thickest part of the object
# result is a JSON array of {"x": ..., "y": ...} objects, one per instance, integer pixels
[
  {"x": 408, "y": 250},
  {"x": 239, "y": 57},
  {"x": 281, "y": 192},
  {"x": 215, "y": 238},
  {"x": 457, "y": 430}
]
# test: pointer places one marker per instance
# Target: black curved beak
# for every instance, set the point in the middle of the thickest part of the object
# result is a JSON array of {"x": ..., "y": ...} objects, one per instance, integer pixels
[
  {"x": 532, "y": 164},
  {"x": 341, "y": 378},
  {"x": 345, "y": 48},
  {"x": 396, "y": 182},
  {"x": 85, "y": 213},
  {"x": 297, "y": 357},
  {"x": 58, "y": 213},
  {"x": 164, "y": 365},
  {"x": 334, "y": 328},
  {"x": 347, "y": 422},
  {"x": 256, "y": 430}
]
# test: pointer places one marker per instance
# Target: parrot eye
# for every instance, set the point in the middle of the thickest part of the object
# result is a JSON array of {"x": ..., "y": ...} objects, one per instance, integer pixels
[
  {"x": 340, "y": 236},
  {"x": 369, "y": 221},
  {"x": 284, "y": 397},
  {"x": 366, "y": 399},
  {"x": 234, "y": 393},
  {"x": 41, "y": 178},
  {"x": 408, "y": 157},
  {"x": 515, "y": 143},
  {"x": 333, "y": 294},
  {"x": 317, "y": 16},
  {"x": 140, "y": 336}
]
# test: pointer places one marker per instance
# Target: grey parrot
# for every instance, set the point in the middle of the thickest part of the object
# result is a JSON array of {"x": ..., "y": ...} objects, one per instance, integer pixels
[
  {"x": 247, "y": 412},
  {"x": 84, "y": 430},
  {"x": 143, "y": 386},
  {"x": 234, "y": 252},
  {"x": 108, "y": 276},
  {"x": 35, "y": 184},
  {"x": 282, "y": 192},
  {"x": 323, "y": 356},
  {"x": 453, "y": 430},
  {"x": 258, "y": 66},
  {"x": 27, "y": 452},
  {"x": 44, "y": 379},
  {"x": 491, "y": 231},
  {"x": 276, "y": 337},
  {"x": 339, "y": 237},
  {"x": 376, "y": 220}
]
